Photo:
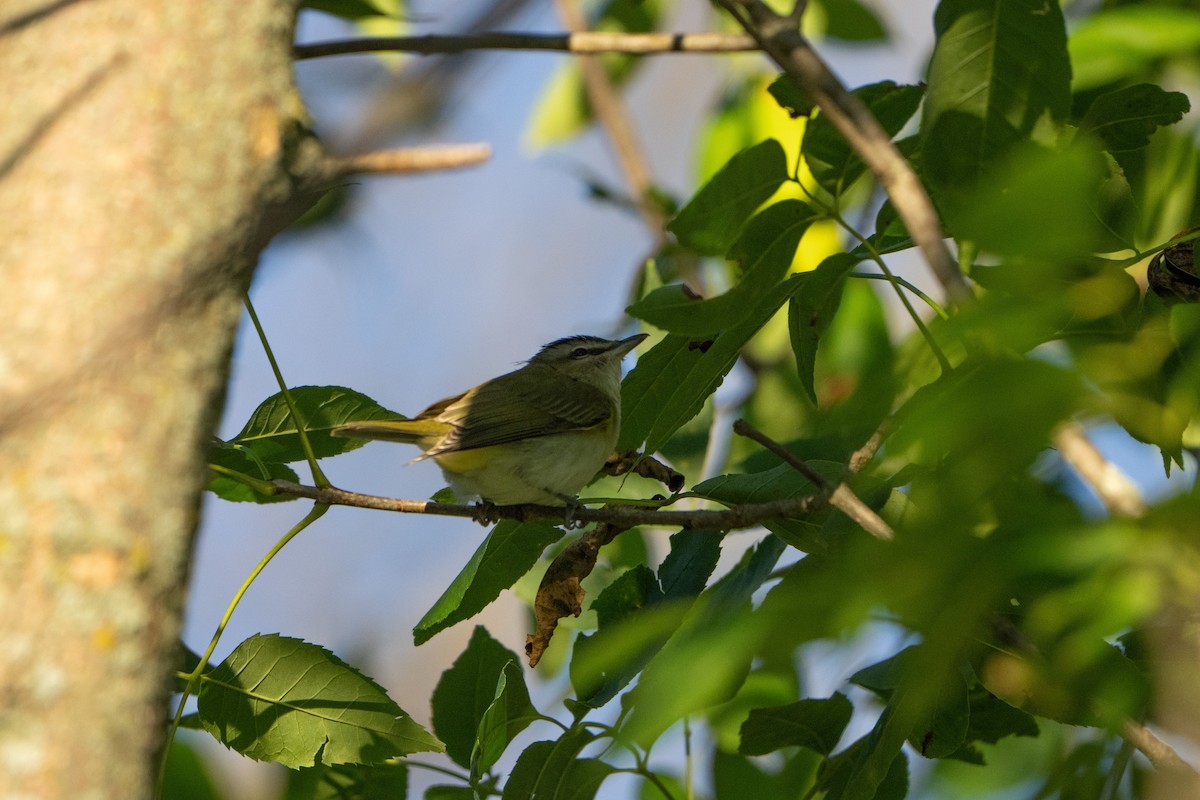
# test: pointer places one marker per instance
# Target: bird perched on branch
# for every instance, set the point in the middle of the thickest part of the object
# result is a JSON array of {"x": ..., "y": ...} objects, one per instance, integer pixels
[{"x": 538, "y": 434}]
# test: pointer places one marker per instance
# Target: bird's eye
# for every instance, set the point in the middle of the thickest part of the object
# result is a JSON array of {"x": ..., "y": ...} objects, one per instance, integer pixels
[{"x": 579, "y": 352}]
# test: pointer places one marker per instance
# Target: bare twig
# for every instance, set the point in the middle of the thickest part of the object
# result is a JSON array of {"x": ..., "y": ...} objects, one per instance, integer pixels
[
  {"x": 742, "y": 516},
  {"x": 606, "y": 105},
  {"x": 408, "y": 160},
  {"x": 1118, "y": 493},
  {"x": 840, "y": 496},
  {"x": 643, "y": 44},
  {"x": 863, "y": 455},
  {"x": 1158, "y": 752},
  {"x": 780, "y": 38}
]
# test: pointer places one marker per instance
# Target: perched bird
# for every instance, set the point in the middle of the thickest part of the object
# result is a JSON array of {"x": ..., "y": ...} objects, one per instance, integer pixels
[{"x": 538, "y": 434}]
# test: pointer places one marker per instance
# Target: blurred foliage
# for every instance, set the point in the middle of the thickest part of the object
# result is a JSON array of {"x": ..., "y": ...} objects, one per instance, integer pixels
[{"x": 1060, "y": 156}]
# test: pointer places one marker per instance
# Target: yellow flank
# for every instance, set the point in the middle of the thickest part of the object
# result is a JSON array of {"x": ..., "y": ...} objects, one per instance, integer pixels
[{"x": 467, "y": 460}]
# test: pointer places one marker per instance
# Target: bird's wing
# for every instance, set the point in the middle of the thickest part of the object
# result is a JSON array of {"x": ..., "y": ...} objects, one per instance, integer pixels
[{"x": 535, "y": 401}]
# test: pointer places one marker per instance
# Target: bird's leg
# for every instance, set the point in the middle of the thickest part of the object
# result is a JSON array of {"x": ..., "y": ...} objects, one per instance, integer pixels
[
  {"x": 572, "y": 504},
  {"x": 485, "y": 512}
]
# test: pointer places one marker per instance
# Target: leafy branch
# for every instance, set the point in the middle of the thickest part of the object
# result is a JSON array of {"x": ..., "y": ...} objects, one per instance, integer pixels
[{"x": 780, "y": 38}]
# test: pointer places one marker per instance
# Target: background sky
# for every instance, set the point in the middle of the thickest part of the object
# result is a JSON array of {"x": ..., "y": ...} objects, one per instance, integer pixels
[{"x": 431, "y": 285}]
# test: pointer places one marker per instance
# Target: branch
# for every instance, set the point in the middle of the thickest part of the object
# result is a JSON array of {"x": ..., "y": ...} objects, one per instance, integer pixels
[
  {"x": 840, "y": 496},
  {"x": 407, "y": 160},
  {"x": 646, "y": 44},
  {"x": 606, "y": 104},
  {"x": 1161, "y": 756},
  {"x": 743, "y": 516},
  {"x": 1118, "y": 493},
  {"x": 780, "y": 38}
]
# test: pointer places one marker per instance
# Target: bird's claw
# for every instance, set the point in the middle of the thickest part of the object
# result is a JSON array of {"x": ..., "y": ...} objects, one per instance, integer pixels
[
  {"x": 485, "y": 513},
  {"x": 572, "y": 506}
]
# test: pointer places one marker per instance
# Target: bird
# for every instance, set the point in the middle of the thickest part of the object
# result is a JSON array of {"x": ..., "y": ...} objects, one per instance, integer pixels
[{"x": 538, "y": 434}]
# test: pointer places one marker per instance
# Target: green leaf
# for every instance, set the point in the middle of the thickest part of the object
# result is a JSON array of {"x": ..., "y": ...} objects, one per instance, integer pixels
[
  {"x": 692, "y": 559},
  {"x": 883, "y": 677},
  {"x": 554, "y": 771},
  {"x": 839, "y": 780},
  {"x": 1125, "y": 119},
  {"x": 270, "y": 433},
  {"x": 281, "y": 699},
  {"x": 353, "y": 10},
  {"x": 943, "y": 730},
  {"x": 381, "y": 782},
  {"x": 992, "y": 719},
  {"x": 778, "y": 483},
  {"x": 957, "y": 418},
  {"x": 633, "y": 590},
  {"x": 736, "y": 777},
  {"x": 790, "y": 97},
  {"x": 623, "y": 599},
  {"x": 832, "y": 161},
  {"x": 814, "y": 724},
  {"x": 811, "y": 311},
  {"x": 711, "y": 220},
  {"x": 605, "y": 662},
  {"x": 509, "y": 714},
  {"x": 509, "y": 551},
  {"x": 243, "y": 461},
  {"x": 682, "y": 575},
  {"x": 960, "y": 713},
  {"x": 709, "y": 656},
  {"x": 851, "y": 21},
  {"x": 466, "y": 692},
  {"x": 999, "y": 74},
  {"x": 766, "y": 247},
  {"x": 185, "y": 777},
  {"x": 672, "y": 381},
  {"x": 447, "y": 792},
  {"x": 1031, "y": 185},
  {"x": 1124, "y": 42}
]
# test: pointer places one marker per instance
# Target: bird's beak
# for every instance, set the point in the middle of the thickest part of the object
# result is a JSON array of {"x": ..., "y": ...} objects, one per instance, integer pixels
[{"x": 623, "y": 346}]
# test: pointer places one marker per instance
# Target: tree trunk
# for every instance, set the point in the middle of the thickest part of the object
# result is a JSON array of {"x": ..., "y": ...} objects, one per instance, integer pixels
[{"x": 145, "y": 155}]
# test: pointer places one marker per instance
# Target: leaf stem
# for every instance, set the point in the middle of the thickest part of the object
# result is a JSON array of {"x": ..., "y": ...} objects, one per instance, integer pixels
[
  {"x": 258, "y": 485},
  {"x": 318, "y": 476},
  {"x": 434, "y": 768},
  {"x": 193, "y": 677},
  {"x": 894, "y": 281}
]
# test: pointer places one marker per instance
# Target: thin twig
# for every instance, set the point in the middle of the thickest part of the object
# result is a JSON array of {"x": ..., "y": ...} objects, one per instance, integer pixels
[
  {"x": 863, "y": 455},
  {"x": 742, "y": 516},
  {"x": 408, "y": 160},
  {"x": 839, "y": 496},
  {"x": 1119, "y": 494},
  {"x": 781, "y": 39},
  {"x": 1158, "y": 752},
  {"x": 609, "y": 111},
  {"x": 643, "y": 44}
]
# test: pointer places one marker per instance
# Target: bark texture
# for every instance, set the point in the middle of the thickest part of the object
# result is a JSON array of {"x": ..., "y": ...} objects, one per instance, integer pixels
[{"x": 148, "y": 150}]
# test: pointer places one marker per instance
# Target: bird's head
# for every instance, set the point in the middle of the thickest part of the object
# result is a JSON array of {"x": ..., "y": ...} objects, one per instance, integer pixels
[{"x": 589, "y": 359}]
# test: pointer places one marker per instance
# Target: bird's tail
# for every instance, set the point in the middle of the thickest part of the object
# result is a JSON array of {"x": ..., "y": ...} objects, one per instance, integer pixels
[{"x": 407, "y": 431}]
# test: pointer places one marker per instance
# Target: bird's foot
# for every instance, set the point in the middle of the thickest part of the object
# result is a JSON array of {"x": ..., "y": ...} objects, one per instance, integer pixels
[
  {"x": 485, "y": 513},
  {"x": 572, "y": 505}
]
